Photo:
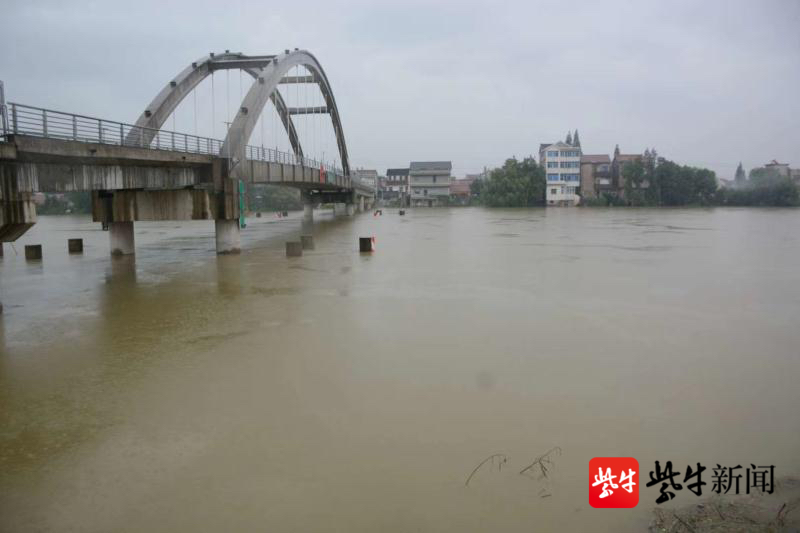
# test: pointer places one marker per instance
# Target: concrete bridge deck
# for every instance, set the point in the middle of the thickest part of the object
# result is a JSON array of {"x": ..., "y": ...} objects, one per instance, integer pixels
[{"x": 175, "y": 176}]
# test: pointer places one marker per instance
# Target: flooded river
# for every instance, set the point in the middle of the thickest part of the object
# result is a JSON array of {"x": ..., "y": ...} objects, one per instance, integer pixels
[{"x": 348, "y": 392}]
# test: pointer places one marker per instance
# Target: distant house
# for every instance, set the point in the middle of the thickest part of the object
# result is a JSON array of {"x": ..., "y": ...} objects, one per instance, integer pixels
[
  {"x": 461, "y": 190},
  {"x": 595, "y": 175},
  {"x": 396, "y": 184},
  {"x": 562, "y": 164},
  {"x": 617, "y": 166},
  {"x": 430, "y": 182}
]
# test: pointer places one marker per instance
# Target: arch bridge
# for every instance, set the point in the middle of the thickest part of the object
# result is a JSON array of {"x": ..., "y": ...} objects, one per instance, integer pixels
[{"x": 140, "y": 171}]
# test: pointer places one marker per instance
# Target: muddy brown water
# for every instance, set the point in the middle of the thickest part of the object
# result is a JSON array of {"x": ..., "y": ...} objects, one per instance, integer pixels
[{"x": 342, "y": 391}]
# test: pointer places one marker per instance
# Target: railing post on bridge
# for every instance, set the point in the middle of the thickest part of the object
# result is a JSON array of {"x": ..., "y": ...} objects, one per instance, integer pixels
[
  {"x": 14, "y": 117},
  {"x": 44, "y": 122},
  {"x": 121, "y": 134},
  {"x": 100, "y": 130},
  {"x": 74, "y": 128},
  {"x": 173, "y": 139}
]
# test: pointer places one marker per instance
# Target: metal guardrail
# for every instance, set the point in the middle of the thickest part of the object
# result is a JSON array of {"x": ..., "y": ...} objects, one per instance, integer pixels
[
  {"x": 260, "y": 153},
  {"x": 40, "y": 122}
]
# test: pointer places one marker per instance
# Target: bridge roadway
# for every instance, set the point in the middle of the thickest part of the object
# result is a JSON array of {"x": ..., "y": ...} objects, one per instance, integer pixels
[{"x": 175, "y": 177}]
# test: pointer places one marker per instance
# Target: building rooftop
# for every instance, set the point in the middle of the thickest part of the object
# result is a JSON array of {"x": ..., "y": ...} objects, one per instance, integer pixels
[
  {"x": 397, "y": 172},
  {"x": 628, "y": 157},
  {"x": 559, "y": 144},
  {"x": 595, "y": 158},
  {"x": 430, "y": 165}
]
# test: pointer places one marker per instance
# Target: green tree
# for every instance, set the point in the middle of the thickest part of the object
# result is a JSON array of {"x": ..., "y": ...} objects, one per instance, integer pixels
[
  {"x": 515, "y": 184},
  {"x": 657, "y": 181},
  {"x": 634, "y": 174},
  {"x": 770, "y": 192}
]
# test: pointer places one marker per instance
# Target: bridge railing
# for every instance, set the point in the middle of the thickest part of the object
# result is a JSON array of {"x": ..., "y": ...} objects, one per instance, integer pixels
[
  {"x": 40, "y": 122},
  {"x": 261, "y": 153}
]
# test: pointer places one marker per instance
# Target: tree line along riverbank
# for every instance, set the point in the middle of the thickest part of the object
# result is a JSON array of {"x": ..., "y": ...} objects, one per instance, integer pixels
[{"x": 661, "y": 182}]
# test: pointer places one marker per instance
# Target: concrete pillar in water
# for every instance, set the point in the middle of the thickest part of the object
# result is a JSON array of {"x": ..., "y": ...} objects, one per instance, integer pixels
[
  {"x": 75, "y": 246},
  {"x": 121, "y": 238},
  {"x": 33, "y": 252},
  {"x": 339, "y": 209},
  {"x": 307, "y": 241},
  {"x": 308, "y": 211},
  {"x": 350, "y": 209},
  {"x": 228, "y": 238},
  {"x": 294, "y": 249},
  {"x": 366, "y": 244},
  {"x": 361, "y": 204}
]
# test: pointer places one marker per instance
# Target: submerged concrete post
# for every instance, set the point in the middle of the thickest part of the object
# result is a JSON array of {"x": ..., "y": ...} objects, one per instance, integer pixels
[
  {"x": 75, "y": 246},
  {"x": 308, "y": 212},
  {"x": 121, "y": 237},
  {"x": 294, "y": 249},
  {"x": 350, "y": 210},
  {"x": 228, "y": 238},
  {"x": 361, "y": 203},
  {"x": 307, "y": 241},
  {"x": 33, "y": 252},
  {"x": 366, "y": 244}
]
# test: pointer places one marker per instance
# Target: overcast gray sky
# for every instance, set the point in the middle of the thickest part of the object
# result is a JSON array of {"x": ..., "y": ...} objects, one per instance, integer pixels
[{"x": 706, "y": 82}]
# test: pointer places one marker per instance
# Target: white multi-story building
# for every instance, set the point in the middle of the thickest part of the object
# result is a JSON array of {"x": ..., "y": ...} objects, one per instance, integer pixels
[
  {"x": 430, "y": 182},
  {"x": 562, "y": 163}
]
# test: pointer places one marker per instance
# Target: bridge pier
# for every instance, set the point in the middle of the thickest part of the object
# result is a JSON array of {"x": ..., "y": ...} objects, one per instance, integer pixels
[
  {"x": 121, "y": 238},
  {"x": 228, "y": 237},
  {"x": 361, "y": 204},
  {"x": 350, "y": 209},
  {"x": 308, "y": 212}
]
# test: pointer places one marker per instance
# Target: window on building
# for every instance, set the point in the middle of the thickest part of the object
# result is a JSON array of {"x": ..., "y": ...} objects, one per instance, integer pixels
[
  {"x": 552, "y": 177},
  {"x": 552, "y": 164},
  {"x": 553, "y": 153},
  {"x": 553, "y": 191},
  {"x": 425, "y": 192},
  {"x": 434, "y": 179}
]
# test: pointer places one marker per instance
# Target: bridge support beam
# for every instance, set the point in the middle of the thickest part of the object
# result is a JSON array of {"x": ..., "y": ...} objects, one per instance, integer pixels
[
  {"x": 228, "y": 237},
  {"x": 121, "y": 238}
]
